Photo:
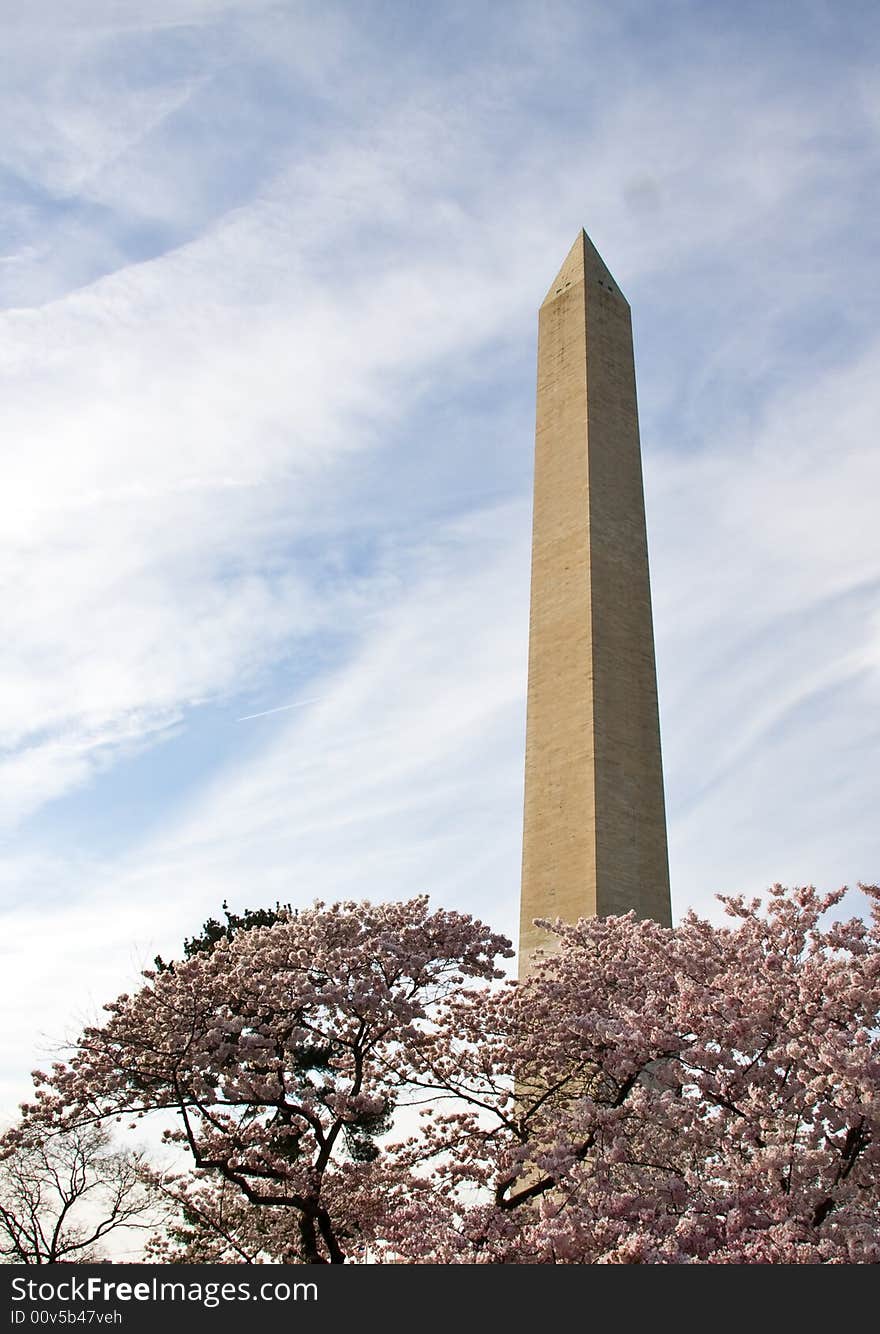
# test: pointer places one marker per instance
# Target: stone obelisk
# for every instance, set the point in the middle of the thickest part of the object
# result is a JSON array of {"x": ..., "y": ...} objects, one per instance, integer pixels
[{"x": 594, "y": 838}]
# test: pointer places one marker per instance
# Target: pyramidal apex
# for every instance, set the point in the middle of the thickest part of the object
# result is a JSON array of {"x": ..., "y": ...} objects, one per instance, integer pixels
[{"x": 582, "y": 263}]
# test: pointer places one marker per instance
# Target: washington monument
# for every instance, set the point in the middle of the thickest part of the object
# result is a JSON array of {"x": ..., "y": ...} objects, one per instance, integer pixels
[{"x": 594, "y": 837}]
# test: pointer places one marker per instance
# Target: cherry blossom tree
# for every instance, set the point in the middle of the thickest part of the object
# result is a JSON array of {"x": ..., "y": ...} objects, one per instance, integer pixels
[
  {"x": 696, "y": 1095},
  {"x": 281, "y": 1050}
]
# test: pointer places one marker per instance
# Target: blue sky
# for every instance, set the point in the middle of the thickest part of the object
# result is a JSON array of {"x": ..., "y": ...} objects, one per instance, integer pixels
[{"x": 269, "y": 275}]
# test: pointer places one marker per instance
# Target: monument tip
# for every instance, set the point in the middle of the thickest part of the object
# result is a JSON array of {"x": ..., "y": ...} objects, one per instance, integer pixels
[{"x": 582, "y": 262}]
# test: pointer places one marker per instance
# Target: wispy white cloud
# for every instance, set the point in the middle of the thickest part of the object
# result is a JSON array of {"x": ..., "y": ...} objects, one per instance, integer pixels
[
  {"x": 405, "y": 776},
  {"x": 767, "y": 583},
  {"x": 280, "y": 708}
]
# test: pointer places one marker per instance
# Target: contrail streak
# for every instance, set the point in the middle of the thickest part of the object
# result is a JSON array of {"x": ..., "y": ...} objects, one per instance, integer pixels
[{"x": 265, "y": 712}]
